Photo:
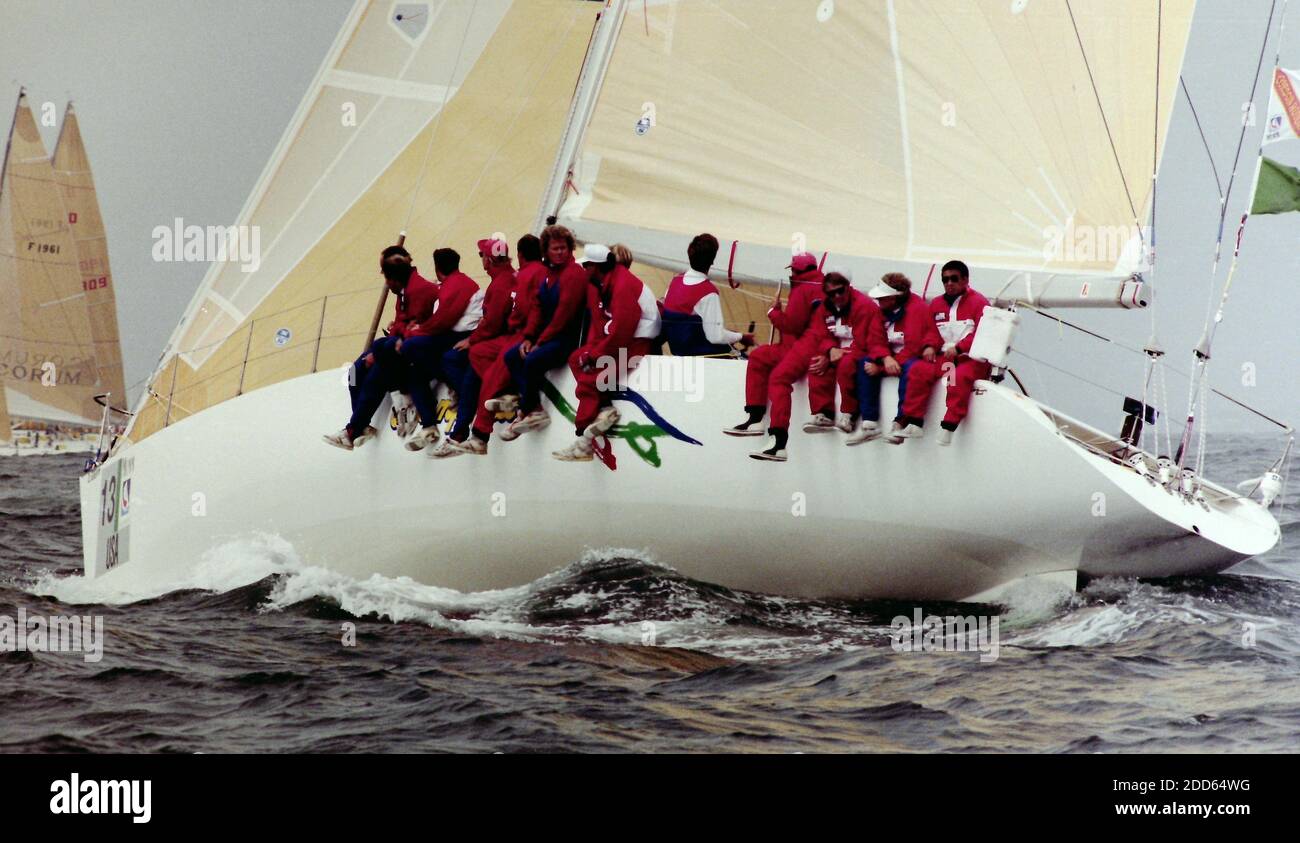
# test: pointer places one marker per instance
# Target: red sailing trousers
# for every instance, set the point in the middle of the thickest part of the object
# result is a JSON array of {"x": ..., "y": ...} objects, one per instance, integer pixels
[
  {"x": 821, "y": 388},
  {"x": 595, "y": 385},
  {"x": 486, "y": 359},
  {"x": 925, "y": 373}
]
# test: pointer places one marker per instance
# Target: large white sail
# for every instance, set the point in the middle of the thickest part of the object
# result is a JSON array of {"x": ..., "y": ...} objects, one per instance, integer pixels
[
  {"x": 77, "y": 186},
  {"x": 47, "y": 360},
  {"x": 444, "y": 111},
  {"x": 912, "y": 130}
]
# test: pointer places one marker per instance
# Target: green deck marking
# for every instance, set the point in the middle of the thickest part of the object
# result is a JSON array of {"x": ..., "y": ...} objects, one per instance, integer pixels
[{"x": 633, "y": 432}]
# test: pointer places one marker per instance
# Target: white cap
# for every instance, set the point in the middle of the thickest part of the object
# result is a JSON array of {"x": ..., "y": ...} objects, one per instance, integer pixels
[
  {"x": 595, "y": 253},
  {"x": 842, "y": 270},
  {"x": 883, "y": 291}
]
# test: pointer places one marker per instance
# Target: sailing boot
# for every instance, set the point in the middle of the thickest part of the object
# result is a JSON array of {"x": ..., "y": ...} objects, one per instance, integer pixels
[
  {"x": 870, "y": 430},
  {"x": 945, "y": 434},
  {"x": 903, "y": 430},
  {"x": 746, "y": 428},
  {"x": 502, "y": 404},
  {"x": 536, "y": 420},
  {"x": 426, "y": 437},
  {"x": 823, "y": 422},
  {"x": 607, "y": 418},
  {"x": 774, "y": 447},
  {"x": 580, "y": 451},
  {"x": 343, "y": 439}
]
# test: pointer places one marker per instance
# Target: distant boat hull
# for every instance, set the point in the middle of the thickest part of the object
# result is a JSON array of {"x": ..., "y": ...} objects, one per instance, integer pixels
[
  {"x": 1011, "y": 498},
  {"x": 68, "y": 446}
]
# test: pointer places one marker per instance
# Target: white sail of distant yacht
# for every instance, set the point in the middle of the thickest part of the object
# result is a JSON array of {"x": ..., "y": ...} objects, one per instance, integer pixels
[
  {"x": 873, "y": 133},
  {"x": 77, "y": 187},
  {"x": 47, "y": 348}
]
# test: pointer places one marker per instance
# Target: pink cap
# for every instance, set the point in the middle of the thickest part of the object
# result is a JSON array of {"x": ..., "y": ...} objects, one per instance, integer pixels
[
  {"x": 494, "y": 248},
  {"x": 803, "y": 262}
]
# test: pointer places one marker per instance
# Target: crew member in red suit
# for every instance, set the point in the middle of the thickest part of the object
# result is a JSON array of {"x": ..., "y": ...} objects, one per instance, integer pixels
[
  {"x": 805, "y": 293},
  {"x": 956, "y": 315},
  {"x": 624, "y": 325},
  {"x": 692, "y": 312},
  {"x": 908, "y": 330},
  {"x": 856, "y": 341},
  {"x": 379, "y": 371},
  {"x": 457, "y": 370},
  {"x": 842, "y": 312}
]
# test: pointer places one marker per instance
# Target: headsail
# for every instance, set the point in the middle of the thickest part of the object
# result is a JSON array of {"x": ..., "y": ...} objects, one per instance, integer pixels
[
  {"x": 72, "y": 168},
  {"x": 481, "y": 89},
  {"x": 911, "y": 131},
  {"x": 46, "y": 354}
]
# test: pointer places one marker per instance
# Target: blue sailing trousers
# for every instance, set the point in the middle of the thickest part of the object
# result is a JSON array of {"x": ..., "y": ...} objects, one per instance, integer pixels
[
  {"x": 868, "y": 390},
  {"x": 460, "y": 376},
  {"x": 368, "y": 384},
  {"x": 423, "y": 359},
  {"x": 529, "y": 372}
]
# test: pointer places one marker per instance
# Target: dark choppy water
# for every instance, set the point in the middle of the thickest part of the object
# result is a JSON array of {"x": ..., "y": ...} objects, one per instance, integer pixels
[{"x": 560, "y": 665}]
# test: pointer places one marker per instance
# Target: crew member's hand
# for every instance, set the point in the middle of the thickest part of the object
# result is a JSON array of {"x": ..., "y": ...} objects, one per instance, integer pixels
[
  {"x": 892, "y": 367},
  {"x": 950, "y": 352},
  {"x": 525, "y": 347},
  {"x": 462, "y": 345},
  {"x": 818, "y": 365},
  {"x": 746, "y": 339},
  {"x": 370, "y": 359},
  {"x": 389, "y": 329},
  {"x": 836, "y": 354},
  {"x": 872, "y": 369},
  {"x": 585, "y": 362},
  {"x": 928, "y": 354},
  {"x": 398, "y": 346}
]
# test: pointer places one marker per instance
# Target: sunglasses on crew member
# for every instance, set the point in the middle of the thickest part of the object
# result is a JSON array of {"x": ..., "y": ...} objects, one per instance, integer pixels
[
  {"x": 952, "y": 279},
  {"x": 837, "y": 291}
]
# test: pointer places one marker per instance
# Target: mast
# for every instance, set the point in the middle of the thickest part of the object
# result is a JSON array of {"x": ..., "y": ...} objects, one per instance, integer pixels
[{"x": 590, "y": 79}]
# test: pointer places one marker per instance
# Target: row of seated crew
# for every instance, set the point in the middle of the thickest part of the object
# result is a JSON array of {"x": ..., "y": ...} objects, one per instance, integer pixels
[{"x": 493, "y": 347}]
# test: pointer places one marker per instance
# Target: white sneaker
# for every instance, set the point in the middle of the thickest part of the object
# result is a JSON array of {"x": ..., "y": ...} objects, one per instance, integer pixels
[
  {"x": 770, "y": 452},
  {"x": 844, "y": 422},
  {"x": 745, "y": 428},
  {"x": 452, "y": 448},
  {"x": 579, "y": 451},
  {"x": 900, "y": 432},
  {"x": 820, "y": 423},
  {"x": 342, "y": 440},
  {"x": 945, "y": 437},
  {"x": 426, "y": 436},
  {"x": 408, "y": 419},
  {"x": 502, "y": 404},
  {"x": 870, "y": 430},
  {"x": 536, "y": 420},
  {"x": 508, "y": 432},
  {"x": 607, "y": 418}
]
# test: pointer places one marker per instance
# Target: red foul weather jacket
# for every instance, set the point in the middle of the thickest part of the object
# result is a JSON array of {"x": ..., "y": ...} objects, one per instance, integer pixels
[
  {"x": 454, "y": 294},
  {"x": 414, "y": 304},
  {"x": 957, "y": 323},
  {"x": 567, "y": 318},
  {"x": 496, "y": 304},
  {"x": 804, "y": 295},
  {"x": 913, "y": 331}
]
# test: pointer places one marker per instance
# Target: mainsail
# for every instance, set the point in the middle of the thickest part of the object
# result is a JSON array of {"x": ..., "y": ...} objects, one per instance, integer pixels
[
  {"x": 47, "y": 359},
  {"x": 909, "y": 130},
  {"x": 442, "y": 124},
  {"x": 77, "y": 186}
]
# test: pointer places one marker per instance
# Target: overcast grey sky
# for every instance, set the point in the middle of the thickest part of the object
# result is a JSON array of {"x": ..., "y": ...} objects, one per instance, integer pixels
[{"x": 182, "y": 102}]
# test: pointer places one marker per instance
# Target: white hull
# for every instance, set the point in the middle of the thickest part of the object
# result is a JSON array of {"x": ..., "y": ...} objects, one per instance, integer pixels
[{"x": 1011, "y": 498}]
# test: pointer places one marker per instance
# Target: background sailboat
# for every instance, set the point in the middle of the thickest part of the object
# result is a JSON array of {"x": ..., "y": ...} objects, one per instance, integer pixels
[
  {"x": 47, "y": 344},
  {"x": 528, "y": 100}
]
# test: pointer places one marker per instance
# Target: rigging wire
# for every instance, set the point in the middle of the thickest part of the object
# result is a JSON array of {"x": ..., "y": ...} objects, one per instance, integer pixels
[
  {"x": 1218, "y": 183},
  {"x": 1202, "y": 350},
  {"x": 1102, "y": 111}
]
